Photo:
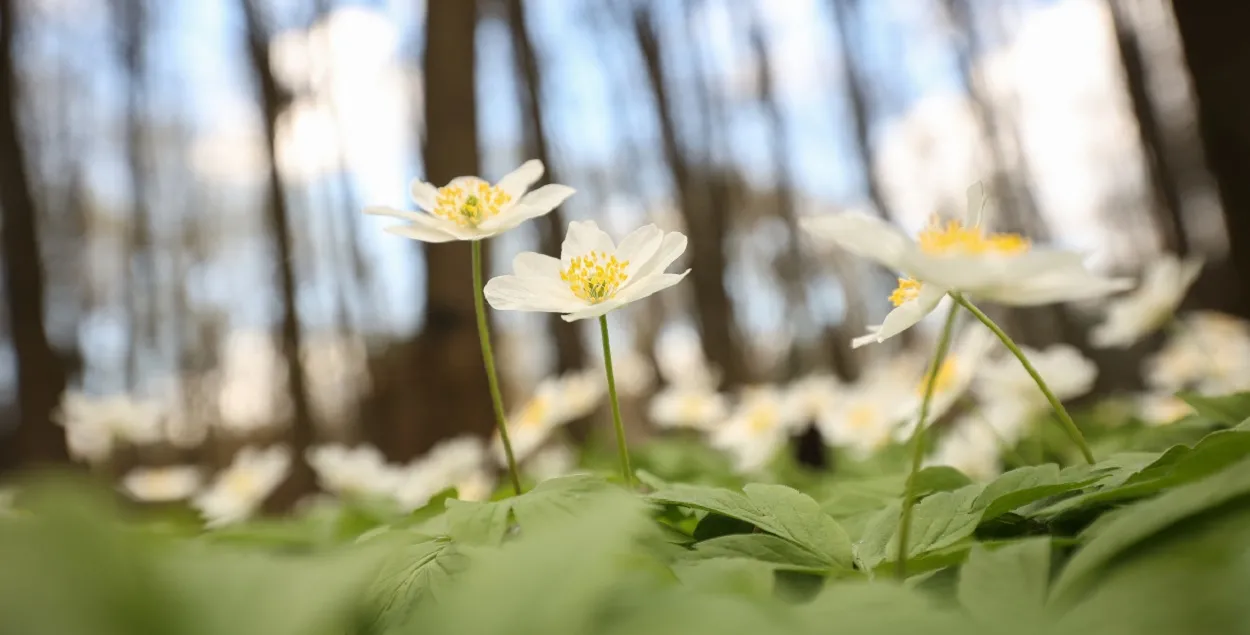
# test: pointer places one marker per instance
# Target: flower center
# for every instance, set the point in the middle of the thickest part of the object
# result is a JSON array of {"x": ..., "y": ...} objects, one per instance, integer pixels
[
  {"x": 469, "y": 202},
  {"x": 241, "y": 483},
  {"x": 955, "y": 239},
  {"x": 534, "y": 413},
  {"x": 595, "y": 277},
  {"x": 691, "y": 407},
  {"x": 908, "y": 289},
  {"x": 861, "y": 417},
  {"x": 945, "y": 376}
]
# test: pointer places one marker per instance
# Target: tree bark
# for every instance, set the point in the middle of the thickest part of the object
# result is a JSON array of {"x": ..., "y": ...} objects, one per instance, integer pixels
[
  {"x": 1217, "y": 52},
  {"x": 274, "y": 101},
  {"x": 570, "y": 350},
  {"x": 40, "y": 373}
]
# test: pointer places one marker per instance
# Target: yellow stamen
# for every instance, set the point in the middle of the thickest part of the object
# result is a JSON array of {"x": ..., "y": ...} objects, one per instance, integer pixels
[
  {"x": 595, "y": 277},
  {"x": 861, "y": 416},
  {"x": 469, "y": 202},
  {"x": 955, "y": 239},
  {"x": 534, "y": 413},
  {"x": 945, "y": 376},
  {"x": 908, "y": 289}
]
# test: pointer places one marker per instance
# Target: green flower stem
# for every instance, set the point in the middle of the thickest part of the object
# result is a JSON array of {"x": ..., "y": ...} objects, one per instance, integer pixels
[
  {"x": 917, "y": 442},
  {"x": 1068, "y": 425},
  {"x": 621, "y": 447},
  {"x": 488, "y": 360}
]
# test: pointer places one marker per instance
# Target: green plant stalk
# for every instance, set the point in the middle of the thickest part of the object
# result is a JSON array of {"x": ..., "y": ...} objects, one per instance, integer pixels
[
  {"x": 488, "y": 360},
  {"x": 917, "y": 442},
  {"x": 1069, "y": 426},
  {"x": 621, "y": 447}
]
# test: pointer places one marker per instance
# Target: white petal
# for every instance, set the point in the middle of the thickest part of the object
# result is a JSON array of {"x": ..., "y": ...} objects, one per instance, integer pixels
[
  {"x": 511, "y": 293},
  {"x": 639, "y": 247},
  {"x": 424, "y": 227},
  {"x": 537, "y": 203},
  {"x": 528, "y": 264},
  {"x": 649, "y": 285},
  {"x": 417, "y": 232},
  {"x": 582, "y": 238},
  {"x": 1054, "y": 287},
  {"x": 910, "y": 312},
  {"x": 671, "y": 248},
  {"x": 862, "y": 235},
  {"x": 975, "y": 208},
  {"x": 516, "y": 182},
  {"x": 425, "y": 195},
  {"x": 864, "y": 340},
  {"x": 977, "y": 272},
  {"x": 593, "y": 310}
]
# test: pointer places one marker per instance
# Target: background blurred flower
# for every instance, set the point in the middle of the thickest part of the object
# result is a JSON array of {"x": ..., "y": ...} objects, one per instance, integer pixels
[
  {"x": 238, "y": 491},
  {"x": 358, "y": 471},
  {"x": 162, "y": 484},
  {"x": 1010, "y": 397},
  {"x": 1146, "y": 309}
]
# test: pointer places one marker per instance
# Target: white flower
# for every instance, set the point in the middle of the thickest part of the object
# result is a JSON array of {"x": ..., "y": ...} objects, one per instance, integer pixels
[
  {"x": 865, "y": 417},
  {"x": 469, "y": 208},
  {"x": 634, "y": 374},
  {"x": 358, "y": 471},
  {"x": 458, "y": 463},
  {"x": 162, "y": 484},
  {"x": 1137, "y": 314},
  {"x": 551, "y": 462},
  {"x": 954, "y": 378},
  {"x": 970, "y": 447},
  {"x": 1010, "y": 396},
  {"x": 959, "y": 257},
  {"x": 555, "y": 402},
  {"x": 94, "y": 425},
  {"x": 240, "y": 489},
  {"x": 690, "y": 407},
  {"x": 1161, "y": 408},
  {"x": 759, "y": 426},
  {"x": 592, "y": 276},
  {"x": 814, "y": 396},
  {"x": 680, "y": 360},
  {"x": 1210, "y": 353}
]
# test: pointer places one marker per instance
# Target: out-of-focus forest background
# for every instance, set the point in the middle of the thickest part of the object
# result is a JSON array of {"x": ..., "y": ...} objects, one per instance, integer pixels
[{"x": 182, "y": 184}]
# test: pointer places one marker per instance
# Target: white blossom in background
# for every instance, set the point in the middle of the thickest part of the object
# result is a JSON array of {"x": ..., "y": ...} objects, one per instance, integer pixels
[
  {"x": 759, "y": 426},
  {"x": 238, "y": 491},
  {"x": 970, "y": 447},
  {"x": 634, "y": 374},
  {"x": 94, "y": 426},
  {"x": 954, "y": 379},
  {"x": 469, "y": 208},
  {"x": 460, "y": 463},
  {"x": 8, "y": 498},
  {"x": 162, "y": 484},
  {"x": 1209, "y": 352},
  {"x": 814, "y": 396},
  {"x": 1150, "y": 306},
  {"x": 1161, "y": 408},
  {"x": 866, "y": 415},
  {"x": 556, "y": 401},
  {"x": 252, "y": 384},
  {"x": 680, "y": 360},
  {"x": 361, "y": 471},
  {"x": 1010, "y": 398},
  {"x": 551, "y": 462},
  {"x": 959, "y": 256},
  {"x": 593, "y": 276},
  {"x": 689, "y": 407}
]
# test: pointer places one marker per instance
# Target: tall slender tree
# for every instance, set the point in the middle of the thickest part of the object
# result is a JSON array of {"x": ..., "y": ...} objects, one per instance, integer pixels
[{"x": 40, "y": 372}]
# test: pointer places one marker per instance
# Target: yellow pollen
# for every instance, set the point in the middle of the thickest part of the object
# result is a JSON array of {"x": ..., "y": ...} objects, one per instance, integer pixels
[
  {"x": 861, "y": 416},
  {"x": 241, "y": 482},
  {"x": 595, "y": 277},
  {"x": 955, "y": 239},
  {"x": 761, "y": 420},
  {"x": 534, "y": 413},
  {"x": 908, "y": 289},
  {"x": 945, "y": 376},
  {"x": 469, "y": 202}
]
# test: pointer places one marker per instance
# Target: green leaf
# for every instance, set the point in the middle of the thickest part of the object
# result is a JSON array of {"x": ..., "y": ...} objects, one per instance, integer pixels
[
  {"x": 477, "y": 523},
  {"x": 938, "y": 478},
  {"x": 419, "y": 569},
  {"x": 777, "y": 509},
  {"x": 1229, "y": 410},
  {"x": 1145, "y": 519},
  {"x": 1025, "y": 485},
  {"x": 1005, "y": 588},
  {"x": 557, "y": 500},
  {"x": 938, "y": 522},
  {"x": 736, "y": 576},
  {"x": 850, "y": 498},
  {"x": 778, "y": 553}
]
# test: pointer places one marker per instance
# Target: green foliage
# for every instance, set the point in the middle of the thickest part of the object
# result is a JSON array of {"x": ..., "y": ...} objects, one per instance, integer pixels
[{"x": 1141, "y": 542}]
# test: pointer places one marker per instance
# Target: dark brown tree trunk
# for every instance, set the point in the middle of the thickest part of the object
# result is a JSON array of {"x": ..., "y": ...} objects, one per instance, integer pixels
[
  {"x": 40, "y": 373},
  {"x": 1164, "y": 188},
  {"x": 570, "y": 350},
  {"x": 448, "y": 393},
  {"x": 1217, "y": 51},
  {"x": 704, "y": 203},
  {"x": 273, "y": 101}
]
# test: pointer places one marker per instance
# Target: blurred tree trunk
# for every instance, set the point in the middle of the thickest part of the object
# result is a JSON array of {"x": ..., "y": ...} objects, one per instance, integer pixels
[
  {"x": 274, "y": 101},
  {"x": 446, "y": 389},
  {"x": 40, "y": 373},
  {"x": 1217, "y": 51},
  {"x": 703, "y": 198},
  {"x": 1165, "y": 191},
  {"x": 570, "y": 350}
]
